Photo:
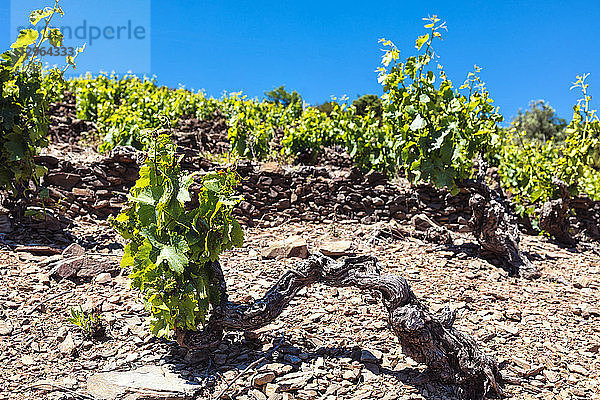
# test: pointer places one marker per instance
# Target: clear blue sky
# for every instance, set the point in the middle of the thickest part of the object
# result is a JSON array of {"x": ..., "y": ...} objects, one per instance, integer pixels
[{"x": 527, "y": 49}]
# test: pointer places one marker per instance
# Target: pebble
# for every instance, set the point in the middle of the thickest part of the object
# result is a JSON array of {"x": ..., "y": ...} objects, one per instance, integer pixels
[
  {"x": 513, "y": 314},
  {"x": 67, "y": 346},
  {"x": 220, "y": 358},
  {"x": 271, "y": 389},
  {"x": 371, "y": 356},
  {"x": 294, "y": 246},
  {"x": 6, "y": 328},
  {"x": 294, "y": 381},
  {"x": 350, "y": 375},
  {"x": 336, "y": 248},
  {"x": 370, "y": 372},
  {"x": 578, "y": 369},
  {"x": 61, "y": 334},
  {"x": 263, "y": 378},
  {"x": 257, "y": 394},
  {"x": 292, "y": 359},
  {"x": 513, "y": 330},
  {"x": 307, "y": 394},
  {"x": 582, "y": 282},
  {"x": 73, "y": 250},
  {"x": 70, "y": 382},
  {"x": 104, "y": 277},
  {"x": 27, "y": 360}
]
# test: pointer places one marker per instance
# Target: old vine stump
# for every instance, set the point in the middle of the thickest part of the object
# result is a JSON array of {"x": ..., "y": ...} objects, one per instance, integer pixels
[
  {"x": 498, "y": 234},
  {"x": 496, "y": 228},
  {"x": 554, "y": 215},
  {"x": 452, "y": 356}
]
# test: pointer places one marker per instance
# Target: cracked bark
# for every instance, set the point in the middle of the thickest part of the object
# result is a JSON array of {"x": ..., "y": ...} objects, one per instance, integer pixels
[
  {"x": 496, "y": 228},
  {"x": 452, "y": 356},
  {"x": 554, "y": 214}
]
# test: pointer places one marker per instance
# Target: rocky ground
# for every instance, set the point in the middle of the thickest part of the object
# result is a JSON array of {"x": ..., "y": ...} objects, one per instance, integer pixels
[{"x": 329, "y": 344}]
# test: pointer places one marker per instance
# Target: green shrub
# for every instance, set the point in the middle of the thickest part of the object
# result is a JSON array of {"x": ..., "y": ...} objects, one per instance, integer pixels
[
  {"x": 540, "y": 122},
  {"x": 124, "y": 107},
  {"x": 368, "y": 103},
  {"x": 169, "y": 246},
  {"x": 90, "y": 323},
  {"x": 327, "y": 107},
  {"x": 526, "y": 166},
  {"x": 251, "y": 125},
  {"x": 440, "y": 130},
  {"x": 284, "y": 98},
  {"x": 24, "y": 102}
]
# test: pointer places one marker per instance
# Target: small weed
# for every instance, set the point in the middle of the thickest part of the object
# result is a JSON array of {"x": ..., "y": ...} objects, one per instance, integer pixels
[{"x": 90, "y": 323}]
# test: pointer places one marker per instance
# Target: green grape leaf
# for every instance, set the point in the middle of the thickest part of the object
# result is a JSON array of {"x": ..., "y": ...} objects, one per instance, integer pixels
[
  {"x": 37, "y": 15},
  {"x": 40, "y": 171},
  {"x": 71, "y": 61},
  {"x": 127, "y": 259},
  {"x": 174, "y": 255},
  {"x": 55, "y": 37},
  {"x": 146, "y": 214},
  {"x": 187, "y": 306},
  {"x": 213, "y": 184},
  {"x": 150, "y": 233},
  {"x": 144, "y": 198},
  {"x": 237, "y": 234},
  {"x": 26, "y": 37},
  {"x": 142, "y": 254},
  {"x": 15, "y": 148},
  {"x": 212, "y": 245},
  {"x": 418, "y": 123},
  {"x": 159, "y": 328},
  {"x": 145, "y": 177},
  {"x": 183, "y": 195},
  {"x": 439, "y": 141},
  {"x": 421, "y": 40}
]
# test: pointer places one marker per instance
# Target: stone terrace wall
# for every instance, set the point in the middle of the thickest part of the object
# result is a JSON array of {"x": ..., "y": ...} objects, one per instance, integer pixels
[
  {"x": 98, "y": 188},
  {"x": 587, "y": 216},
  {"x": 304, "y": 193},
  {"x": 274, "y": 193}
]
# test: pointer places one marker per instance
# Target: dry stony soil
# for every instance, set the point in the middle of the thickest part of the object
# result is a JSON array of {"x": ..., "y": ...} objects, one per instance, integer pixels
[{"x": 330, "y": 343}]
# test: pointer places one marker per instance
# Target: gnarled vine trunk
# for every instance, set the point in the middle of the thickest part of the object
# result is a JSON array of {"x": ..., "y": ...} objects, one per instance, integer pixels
[
  {"x": 554, "y": 215},
  {"x": 496, "y": 228},
  {"x": 428, "y": 338}
]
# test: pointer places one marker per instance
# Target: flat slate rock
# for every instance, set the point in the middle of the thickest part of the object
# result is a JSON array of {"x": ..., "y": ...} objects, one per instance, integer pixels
[
  {"x": 84, "y": 267},
  {"x": 336, "y": 248},
  {"x": 146, "y": 383},
  {"x": 294, "y": 246},
  {"x": 38, "y": 250}
]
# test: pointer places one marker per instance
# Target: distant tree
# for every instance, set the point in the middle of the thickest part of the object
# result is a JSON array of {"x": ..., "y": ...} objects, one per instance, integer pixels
[
  {"x": 540, "y": 122},
  {"x": 366, "y": 103},
  {"x": 281, "y": 96},
  {"x": 326, "y": 107}
]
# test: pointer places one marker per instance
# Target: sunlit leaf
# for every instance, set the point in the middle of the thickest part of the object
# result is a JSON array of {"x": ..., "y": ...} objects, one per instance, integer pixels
[
  {"x": 26, "y": 37},
  {"x": 237, "y": 234},
  {"x": 421, "y": 40},
  {"x": 55, "y": 37},
  {"x": 418, "y": 123},
  {"x": 37, "y": 15},
  {"x": 174, "y": 255}
]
